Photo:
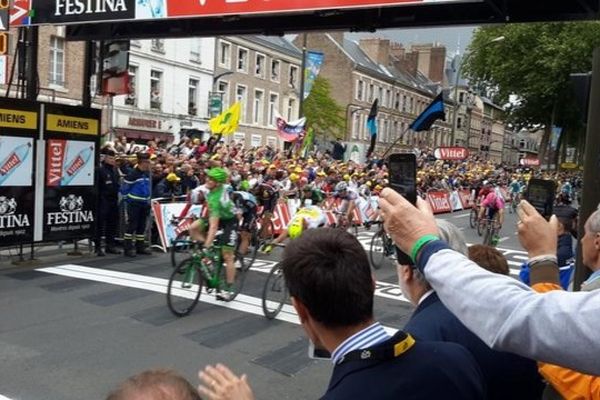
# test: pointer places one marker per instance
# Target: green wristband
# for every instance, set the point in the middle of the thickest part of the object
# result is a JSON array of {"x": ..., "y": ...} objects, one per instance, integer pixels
[{"x": 419, "y": 245}]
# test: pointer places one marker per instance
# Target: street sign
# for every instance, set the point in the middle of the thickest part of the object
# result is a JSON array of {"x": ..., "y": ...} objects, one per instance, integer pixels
[
  {"x": 86, "y": 11},
  {"x": 530, "y": 162},
  {"x": 568, "y": 165},
  {"x": 451, "y": 153}
]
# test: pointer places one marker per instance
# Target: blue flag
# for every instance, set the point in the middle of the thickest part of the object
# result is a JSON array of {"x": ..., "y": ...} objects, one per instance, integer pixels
[
  {"x": 432, "y": 113},
  {"x": 372, "y": 126}
]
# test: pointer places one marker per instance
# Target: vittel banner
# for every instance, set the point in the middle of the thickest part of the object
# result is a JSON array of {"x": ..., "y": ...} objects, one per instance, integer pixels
[
  {"x": 18, "y": 128},
  {"x": 69, "y": 163}
]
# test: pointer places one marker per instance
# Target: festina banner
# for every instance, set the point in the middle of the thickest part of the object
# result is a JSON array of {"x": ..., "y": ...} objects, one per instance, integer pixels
[
  {"x": 85, "y": 11},
  {"x": 16, "y": 215},
  {"x": 68, "y": 213}
]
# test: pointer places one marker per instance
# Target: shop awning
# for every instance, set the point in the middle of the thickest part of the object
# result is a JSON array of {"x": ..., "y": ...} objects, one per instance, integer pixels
[{"x": 144, "y": 135}]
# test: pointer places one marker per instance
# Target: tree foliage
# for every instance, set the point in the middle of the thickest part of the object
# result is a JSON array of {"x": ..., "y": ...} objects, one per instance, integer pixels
[
  {"x": 533, "y": 62},
  {"x": 323, "y": 114}
]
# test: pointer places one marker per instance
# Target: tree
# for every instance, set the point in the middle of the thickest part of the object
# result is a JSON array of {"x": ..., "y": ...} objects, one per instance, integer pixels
[
  {"x": 533, "y": 62},
  {"x": 323, "y": 114}
]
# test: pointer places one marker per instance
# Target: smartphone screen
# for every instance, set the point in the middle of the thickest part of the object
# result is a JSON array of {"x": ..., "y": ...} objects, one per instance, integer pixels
[
  {"x": 403, "y": 175},
  {"x": 540, "y": 194},
  {"x": 317, "y": 353},
  {"x": 403, "y": 179}
]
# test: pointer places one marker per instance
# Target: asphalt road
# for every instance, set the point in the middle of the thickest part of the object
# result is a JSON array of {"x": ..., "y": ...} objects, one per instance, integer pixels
[{"x": 73, "y": 330}]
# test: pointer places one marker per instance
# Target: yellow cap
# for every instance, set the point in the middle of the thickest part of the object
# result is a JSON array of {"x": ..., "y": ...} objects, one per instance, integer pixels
[
  {"x": 298, "y": 170},
  {"x": 172, "y": 177},
  {"x": 294, "y": 177}
]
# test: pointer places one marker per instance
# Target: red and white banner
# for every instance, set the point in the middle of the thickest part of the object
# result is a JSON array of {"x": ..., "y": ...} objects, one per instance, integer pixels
[
  {"x": 451, "y": 153},
  {"x": 85, "y": 11},
  {"x": 440, "y": 202},
  {"x": 530, "y": 162},
  {"x": 465, "y": 198}
]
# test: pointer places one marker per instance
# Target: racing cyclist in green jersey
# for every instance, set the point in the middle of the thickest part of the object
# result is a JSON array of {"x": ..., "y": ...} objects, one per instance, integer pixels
[{"x": 221, "y": 216}]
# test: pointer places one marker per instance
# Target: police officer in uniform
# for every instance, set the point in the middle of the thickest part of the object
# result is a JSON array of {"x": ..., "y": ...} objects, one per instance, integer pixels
[
  {"x": 136, "y": 193},
  {"x": 108, "y": 203}
]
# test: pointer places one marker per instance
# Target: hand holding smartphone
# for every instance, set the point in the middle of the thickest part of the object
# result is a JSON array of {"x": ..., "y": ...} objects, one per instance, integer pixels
[
  {"x": 402, "y": 169},
  {"x": 540, "y": 194}
]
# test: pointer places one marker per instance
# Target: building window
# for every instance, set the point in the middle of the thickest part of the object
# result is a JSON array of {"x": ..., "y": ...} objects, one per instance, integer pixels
[
  {"x": 131, "y": 99},
  {"x": 360, "y": 88},
  {"x": 223, "y": 87},
  {"x": 195, "y": 51},
  {"x": 356, "y": 126},
  {"x": 272, "y": 142},
  {"x": 293, "y": 81},
  {"x": 275, "y": 70},
  {"x": 290, "y": 109},
  {"x": 225, "y": 54},
  {"x": 255, "y": 140},
  {"x": 259, "y": 97},
  {"x": 157, "y": 45},
  {"x": 193, "y": 97},
  {"x": 241, "y": 95},
  {"x": 239, "y": 137},
  {"x": 458, "y": 122},
  {"x": 397, "y": 101},
  {"x": 380, "y": 96},
  {"x": 261, "y": 62},
  {"x": 242, "y": 63},
  {"x": 411, "y": 105},
  {"x": 155, "y": 89},
  {"x": 388, "y": 97},
  {"x": 404, "y": 103},
  {"x": 461, "y": 97},
  {"x": 57, "y": 61},
  {"x": 371, "y": 92},
  {"x": 273, "y": 106}
]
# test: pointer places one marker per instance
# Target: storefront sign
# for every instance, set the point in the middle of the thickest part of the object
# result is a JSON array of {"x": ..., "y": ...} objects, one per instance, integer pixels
[
  {"x": 568, "y": 165},
  {"x": 85, "y": 11},
  {"x": 144, "y": 123},
  {"x": 451, "y": 153},
  {"x": 141, "y": 122}
]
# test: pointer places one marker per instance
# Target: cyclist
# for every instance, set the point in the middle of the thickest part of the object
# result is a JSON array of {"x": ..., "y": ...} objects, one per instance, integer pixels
[
  {"x": 305, "y": 218},
  {"x": 514, "y": 190},
  {"x": 492, "y": 204},
  {"x": 246, "y": 205},
  {"x": 267, "y": 195},
  {"x": 349, "y": 199},
  {"x": 221, "y": 216},
  {"x": 310, "y": 195}
]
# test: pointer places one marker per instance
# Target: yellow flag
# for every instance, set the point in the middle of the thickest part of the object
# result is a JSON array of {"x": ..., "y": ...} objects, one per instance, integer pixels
[{"x": 226, "y": 123}]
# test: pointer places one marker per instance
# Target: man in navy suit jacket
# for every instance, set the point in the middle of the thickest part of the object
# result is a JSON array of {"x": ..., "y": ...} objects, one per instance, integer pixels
[
  {"x": 329, "y": 279},
  {"x": 507, "y": 376}
]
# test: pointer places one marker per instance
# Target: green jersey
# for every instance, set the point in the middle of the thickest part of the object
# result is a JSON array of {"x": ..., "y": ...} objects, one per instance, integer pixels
[{"x": 220, "y": 204}]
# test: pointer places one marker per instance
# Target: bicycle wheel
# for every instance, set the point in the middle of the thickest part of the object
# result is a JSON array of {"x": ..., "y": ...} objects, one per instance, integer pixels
[
  {"x": 274, "y": 293},
  {"x": 252, "y": 251},
  {"x": 185, "y": 286},
  {"x": 180, "y": 248},
  {"x": 481, "y": 227},
  {"x": 487, "y": 238},
  {"x": 473, "y": 218},
  {"x": 377, "y": 250},
  {"x": 240, "y": 276}
]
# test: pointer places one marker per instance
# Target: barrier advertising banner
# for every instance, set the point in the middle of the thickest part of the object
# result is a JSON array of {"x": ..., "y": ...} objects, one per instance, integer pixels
[
  {"x": 70, "y": 158},
  {"x": 86, "y": 11},
  {"x": 18, "y": 128},
  {"x": 439, "y": 201}
]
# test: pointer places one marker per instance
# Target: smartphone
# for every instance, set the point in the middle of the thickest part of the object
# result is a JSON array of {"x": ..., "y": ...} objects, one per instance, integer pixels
[
  {"x": 317, "y": 353},
  {"x": 540, "y": 193},
  {"x": 402, "y": 169}
]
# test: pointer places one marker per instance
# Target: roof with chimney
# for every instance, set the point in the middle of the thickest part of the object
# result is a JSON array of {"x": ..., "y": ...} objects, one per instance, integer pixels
[{"x": 419, "y": 81}]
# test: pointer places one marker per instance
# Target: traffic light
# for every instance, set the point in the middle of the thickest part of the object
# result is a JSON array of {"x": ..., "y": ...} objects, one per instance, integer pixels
[{"x": 114, "y": 56}]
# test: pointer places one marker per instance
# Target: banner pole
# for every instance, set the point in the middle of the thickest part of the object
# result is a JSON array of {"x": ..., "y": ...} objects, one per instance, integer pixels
[{"x": 394, "y": 143}]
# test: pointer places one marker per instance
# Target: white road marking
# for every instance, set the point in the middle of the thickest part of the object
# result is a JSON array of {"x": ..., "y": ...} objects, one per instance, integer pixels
[
  {"x": 462, "y": 216},
  {"x": 242, "y": 302},
  {"x": 4, "y": 397},
  {"x": 505, "y": 238}
]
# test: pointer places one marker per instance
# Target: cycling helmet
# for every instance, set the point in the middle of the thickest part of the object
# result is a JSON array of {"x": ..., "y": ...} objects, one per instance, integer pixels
[
  {"x": 296, "y": 228},
  {"x": 217, "y": 174},
  {"x": 341, "y": 187},
  {"x": 172, "y": 177}
]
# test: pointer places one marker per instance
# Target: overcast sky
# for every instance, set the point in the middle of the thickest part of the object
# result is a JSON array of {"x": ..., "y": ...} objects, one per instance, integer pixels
[{"x": 450, "y": 37}]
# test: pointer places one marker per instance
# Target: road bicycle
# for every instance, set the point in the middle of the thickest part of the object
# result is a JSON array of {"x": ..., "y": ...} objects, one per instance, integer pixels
[
  {"x": 382, "y": 247},
  {"x": 489, "y": 228},
  {"x": 275, "y": 292},
  {"x": 262, "y": 233},
  {"x": 514, "y": 203},
  {"x": 201, "y": 269},
  {"x": 344, "y": 223}
]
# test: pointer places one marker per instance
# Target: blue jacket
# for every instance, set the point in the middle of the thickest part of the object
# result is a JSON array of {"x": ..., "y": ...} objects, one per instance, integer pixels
[
  {"x": 507, "y": 376},
  {"x": 428, "y": 370},
  {"x": 136, "y": 186}
]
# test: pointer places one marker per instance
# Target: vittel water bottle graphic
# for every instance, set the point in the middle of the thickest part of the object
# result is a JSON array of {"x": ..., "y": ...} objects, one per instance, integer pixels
[
  {"x": 74, "y": 167},
  {"x": 10, "y": 164}
]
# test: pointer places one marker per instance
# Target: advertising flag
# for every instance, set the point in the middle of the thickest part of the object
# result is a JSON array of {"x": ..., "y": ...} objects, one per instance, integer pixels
[
  {"x": 432, "y": 113},
  {"x": 290, "y": 131},
  {"x": 226, "y": 123},
  {"x": 314, "y": 60},
  {"x": 556, "y": 132}
]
